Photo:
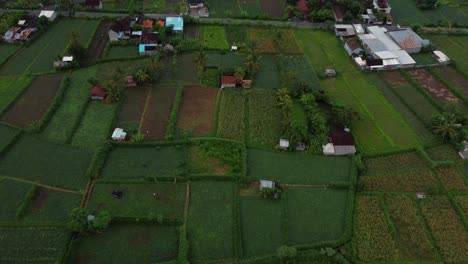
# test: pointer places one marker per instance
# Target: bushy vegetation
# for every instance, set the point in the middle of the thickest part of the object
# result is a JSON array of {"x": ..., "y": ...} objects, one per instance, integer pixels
[
  {"x": 226, "y": 154},
  {"x": 264, "y": 118}
]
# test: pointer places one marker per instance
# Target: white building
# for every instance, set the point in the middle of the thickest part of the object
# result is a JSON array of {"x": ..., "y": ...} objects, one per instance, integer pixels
[{"x": 49, "y": 14}]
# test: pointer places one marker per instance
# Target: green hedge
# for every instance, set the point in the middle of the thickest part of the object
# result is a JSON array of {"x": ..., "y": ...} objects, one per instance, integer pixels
[
  {"x": 183, "y": 254},
  {"x": 174, "y": 112},
  {"x": 98, "y": 161},
  {"x": 421, "y": 89},
  {"x": 26, "y": 202},
  {"x": 142, "y": 180},
  {"x": 145, "y": 220},
  {"x": 12, "y": 142}
]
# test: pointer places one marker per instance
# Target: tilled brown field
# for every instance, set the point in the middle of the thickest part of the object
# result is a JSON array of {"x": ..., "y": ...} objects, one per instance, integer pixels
[
  {"x": 433, "y": 86},
  {"x": 454, "y": 78},
  {"x": 133, "y": 105},
  {"x": 32, "y": 105},
  {"x": 99, "y": 42},
  {"x": 197, "y": 110},
  {"x": 274, "y": 8},
  {"x": 158, "y": 112}
]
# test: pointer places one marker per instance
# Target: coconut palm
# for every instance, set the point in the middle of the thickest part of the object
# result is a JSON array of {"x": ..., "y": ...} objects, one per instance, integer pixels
[
  {"x": 200, "y": 60},
  {"x": 141, "y": 75}
]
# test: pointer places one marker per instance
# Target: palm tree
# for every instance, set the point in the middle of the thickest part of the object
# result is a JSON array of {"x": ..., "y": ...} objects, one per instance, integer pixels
[
  {"x": 141, "y": 75},
  {"x": 444, "y": 125},
  {"x": 200, "y": 60},
  {"x": 251, "y": 63}
]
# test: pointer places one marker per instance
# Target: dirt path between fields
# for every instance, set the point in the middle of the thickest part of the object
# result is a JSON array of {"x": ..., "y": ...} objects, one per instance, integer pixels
[{"x": 42, "y": 185}]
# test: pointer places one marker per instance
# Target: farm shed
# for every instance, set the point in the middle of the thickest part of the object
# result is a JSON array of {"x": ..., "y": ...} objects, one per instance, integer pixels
[
  {"x": 176, "y": 22},
  {"x": 228, "y": 81},
  {"x": 66, "y": 60},
  {"x": 441, "y": 57},
  {"x": 353, "y": 47},
  {"x": 267, "y": 184},
  {"x": 119, "y": 134},
  {"x": 98, "y": 93},
  {"x": 284, "y": 143},
  {"x": 407, "y": 39},
  {"x": 343, "y": 141},
  {"x": 49, "y": 14},
  {"x": 344, "y": 30}
]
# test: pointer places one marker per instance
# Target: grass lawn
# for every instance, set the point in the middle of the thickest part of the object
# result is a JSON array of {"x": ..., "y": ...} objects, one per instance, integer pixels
[
  {"x": 139, "y": 200},
  {"x": 6, "y": 135},
  {"x": 51, "y": 206},
  {"x": 36, "y": 160},
  {"x": 300, "y": 67},
  {"x": 214, "y": 37},
  {"x": 297, "y": 168},
  {"x": 12, "y": 194},
  {"x": 263, "y": 119},
  {"x": 231, "y": 116},
  {"x": 128, "y": 244},
  {"x": 40, "y": 55},
  {"x": 380, "y": 127},
  {"x": 32, "y": 244},
  {"x": 61, "y": 127},
  {"x": 6, "y": 50},
  {"x": 210, "y": 225},
  {"x": 11, "y": 88},
  {"x": 315, "y": 214},
  {"x": 134, "y": 163},
  {"x": 117, "y": 52},
  {"x": 262, "y": 225},
  {"x": 95, "y": 126}
]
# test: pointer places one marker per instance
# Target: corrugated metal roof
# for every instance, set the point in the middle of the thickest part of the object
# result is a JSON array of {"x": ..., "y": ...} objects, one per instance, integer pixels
[{"x": 407, "y": 38}]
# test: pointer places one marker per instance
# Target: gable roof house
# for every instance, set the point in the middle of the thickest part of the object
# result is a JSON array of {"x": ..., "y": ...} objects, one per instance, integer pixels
[
  {"x": 341, "y": 143},
  {"x": 353, "y": 47},
  {"x": 407, "y": 39},
  {"x": 338, "y": 13},
  {"x": 195, "y": 3},
  {"x": 121, "y": 29},
  {"x": 176, "y": 22},
  {"x": 98, "y": 93},
  {"x": 228, "y": 81},
  {"x": 344, "y": 30},
  {"x": 148, "y": 43}
]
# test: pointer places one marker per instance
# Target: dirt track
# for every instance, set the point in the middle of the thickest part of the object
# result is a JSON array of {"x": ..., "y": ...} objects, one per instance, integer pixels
[{"x": 99, "y": 42}]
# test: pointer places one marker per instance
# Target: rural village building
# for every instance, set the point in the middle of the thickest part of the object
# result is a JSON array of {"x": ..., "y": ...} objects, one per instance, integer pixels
[
  {"x": 341, "y": 143},
  {"x": 228, "y": 81},
  {"x": 195, "y": 3},
  {"x": 18, "y": 34},
  {"x": 408, "y": 40},
  {"x": 441, "y": 57},
  {"x": 64, "y": 62},
  {"x": 344, "y": 30},
  {"x": 98, "y": 93},
  {"x": 382, "y": 6},
  {"x": 119, "y": 134},
  {"x": 353, "y": 47},
  {"x": 176, "y": 22},
  {"x": 265, "y": 184},
  {"x": 121, "y": 29},
  {"x": 148, "y": 44},
  {"x": 49, "y": 14}
]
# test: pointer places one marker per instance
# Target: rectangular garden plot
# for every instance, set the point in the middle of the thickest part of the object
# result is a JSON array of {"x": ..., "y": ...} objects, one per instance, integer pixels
[
  {"x": 262, "y": 225},
  {"x": 273, "y": 40},
  {"x": 197, "y": 110},
  {"x": 36, "y": 160},
  {"x": 12, "y": 194},
  {"x": 263, "y": 118},
  {"x": 32, "y": 105},
  {"x": 433, "y": 86},
  {"x": 231, "y": 116},
  {"x": 134, "y": 163},
  {"x": 310, "y": 219},
  {"x": 6, "y": 50},
  {"x": 99, "y": 42},
  {"x": 128, "y": 244},
  {"x": 11, "y": 88},
  {"x": 157, "y": 113},
  {"x": 40, "y": 245},
  {"x": 49, "y": 205},
  {"x": 396, "y": 163},
  {"x": 210, "y": 226},
  {"x": 273, "y": 8},
  {"x": 139, "y": 200},
  {"x": 416, "y": 181},
  {"x": 132, "y": 109},
  {"x": 293, "y": 168},
  {"x": 454, "y": 78}
]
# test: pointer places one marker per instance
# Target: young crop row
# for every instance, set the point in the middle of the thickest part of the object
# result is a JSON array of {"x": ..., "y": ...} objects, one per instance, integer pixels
[
  {"x": 231, "y": 115},
  {"x": 402, "y": 162},
  {"x": 263, "y": 115},
  {"x": 422, "y": 180}
]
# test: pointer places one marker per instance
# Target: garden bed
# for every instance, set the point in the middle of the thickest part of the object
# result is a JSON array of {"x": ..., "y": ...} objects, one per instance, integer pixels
[
  {"x": 433, "y": 86},
  {"x": 99, "y": 42},
  {"x": 274, "y": 8}
]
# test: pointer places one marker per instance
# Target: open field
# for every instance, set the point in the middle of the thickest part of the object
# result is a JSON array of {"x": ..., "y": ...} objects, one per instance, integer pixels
[
  {"x": 6, "y": 135},
  {"x": 405, "y": 106},
  {"x": 95, "y": 125},
  {"x": 294, "y": 168},
  {"x": 35, "y": 101},
  {"x": 210, "y": 229},
  {"x": 455, "y": 47},
  {"x": 380, "y": 128},
  {"x": 301, "y": 69},
  {"x": 40, "y": 245},
  {"x": 225, "y": 61},
  {"x": 134, "y": 163},
  {"x": 263, "y": 114},
  {"x": 118, "y": 52},
  {"x": 262, "y": 225},
  {"x": 197, "y": 110},
  {"x": 61, "y": 127},
  {"x": 127, "y": 244},
  {"x": 214, "y": 37},
  {"x": 304, "y": 204},
  {"x": 273, "y": 40},
  {"x": 139, "y": 200},
  {"x": 157, "y": 114},
  {"x": 40, "y": 55},
  {"x": 50, "y": 205},
  {"x": 231, "y": 117},
  {"x": 11, "y": 88},
  {"x": 35, "y": 160},
  {"x": 6, "y": 50},
  {"x": 12, "y": 194},
  {"x": 228, "y": 8}
]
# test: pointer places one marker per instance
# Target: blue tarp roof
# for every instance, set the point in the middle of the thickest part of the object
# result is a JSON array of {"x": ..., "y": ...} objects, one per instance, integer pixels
[
  {"x": 141, "y": 47},
  {"x": 177, "y": 22}
]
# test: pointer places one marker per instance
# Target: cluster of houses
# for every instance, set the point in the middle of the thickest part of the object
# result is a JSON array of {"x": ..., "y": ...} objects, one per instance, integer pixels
[
  {"x": 197, "y": 8},
  {"x": 369, "y": 16},
  {"x": 145, "y": 34},
  {"x": 383, "y": 47},
  {"x": 27, "y": 26}
]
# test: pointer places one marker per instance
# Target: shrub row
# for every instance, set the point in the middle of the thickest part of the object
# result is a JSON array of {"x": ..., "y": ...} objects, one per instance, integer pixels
[
  {"x": 434, "y": 164},
  {"x": 174, "y": 112},
  {"x": 182, "y": 257},
  {"x": 12, "y": 142},
  {"x": 26, "y": 202},
  {"x": 38, "y": 126},
  {"x": 98, "y": 160},
  {"x": 145, "y": 220}
]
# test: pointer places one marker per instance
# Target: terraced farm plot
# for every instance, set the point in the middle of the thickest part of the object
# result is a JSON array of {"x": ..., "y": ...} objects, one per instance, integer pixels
[
  {"x": 131, "y": 111},
  {"x": 268, "y": 74},
  {"x": 40, "y": 55},
  {"x": 228, "y": 8},
  {"x": 417, "y": 181},
  {"x": 274, "y": 8},
  {"x": 121, "y": 52},
  {"x": 40, "y": 245},
  {"x": 237, "y": 35},
  {"x": 137, "y": 163},
  {"x": 301, "y": 69},
  {"x": 6, "y": 51},
  {"x": 433, "y": 86},
  {"x": 197, "y": 110},
  {"x": 12, "y": 194},
  {"x": 225, "y": 61},
  {"x": 61, "y": 127},
  {"x": 396, "y": 163},
  {"x": 443, "y": 152},
  {"x": 211, "y": 228},
  {"x": 99, "y": 42},
  {"x": 259, "y": 217},
  {"x": 451, "y": 179},
  {"x": 11, "y": 88},
  {"x": 48, "y": 205},
  {"x": 135, "y": 243},
  {"x": 380, "y": 128},
  {"x": 463, "y": 202},
  {"x": 138, "y": 200},
  {"x": 36, "y": 160},
  {"x": 214, "y": 37},
  {"x": 95, "y": 125},
  {"x": 231, "y": 116},
  {"x": 304, "y": 204},
  {"x": 157, "y": 114},
  {"x": 35, "y": 101},
  {"x": 294, "y": 168}
]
